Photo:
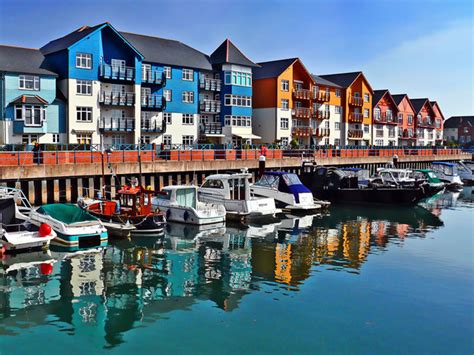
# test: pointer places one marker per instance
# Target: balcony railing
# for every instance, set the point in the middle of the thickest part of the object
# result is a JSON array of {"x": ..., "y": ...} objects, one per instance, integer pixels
[
  {"x": 425, "y": 123},
  {"x": 322, "y": 96},
  {"x": 116, "y": 72},
  {"x": 384, "y": 118},
  {"x": 323, "y": 132},
  {"x": 210, "y": 128},
  {"x": 152, "y": 126},
  {"x": 406, "y": 135},
  {"x": 355, "y": 117},
  {"x": 210, "y": 106},
  {"x": 302, "y": 94},
  {"x": 210, "y": 84},
  {"x": 355, "y": 134},
  {"x": 321, "y": 114},
  {"x": 153, "y": 77},
  {"x": 302, "y": 112},
  {"x": 115, "y": 124},
  {"x": 355, "y": 101},
  {"x": 302, "y": 131},
  {"x": 153, "y": 101},
  {"x": 117, "y": 98}
]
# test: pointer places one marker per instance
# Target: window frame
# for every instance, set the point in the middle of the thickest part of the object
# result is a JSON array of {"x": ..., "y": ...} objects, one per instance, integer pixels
[
  {"x": 187, "y": 74},
  {"x": 187, "y": 97},
  {"x": 168, "y": 70},
  {"x": 80, "y": 111},
  {"x": 81, "y": 83},
  {"x": 165, "y": 95},
  {"x": 284, "y": 126},
  {"x": 187, "y": 119},
  {"x": 284, "y": 87},
  {"x": 88, "y": 58},
  {"x": 22, "y": 79}
]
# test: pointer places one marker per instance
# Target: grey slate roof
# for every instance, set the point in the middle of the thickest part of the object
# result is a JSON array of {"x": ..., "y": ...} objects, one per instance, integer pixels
[
  {"x": 321, "y": 81},
  {"x": 342, "y": 79},
  {"x": 398, "y": 98},
  {"x": 228, "y": 53},
  {"x": 22, "y": 60},
  {"x": 456, "y": 121},
  {"x": 377, "y": 96},
  {"x": 272, "y": 69},
  {"x": 30, "y": 99},
  {"x": 167, "y": 51},
  {"x": 69, "y": 39},
  {"x": 418, "y": 104}
]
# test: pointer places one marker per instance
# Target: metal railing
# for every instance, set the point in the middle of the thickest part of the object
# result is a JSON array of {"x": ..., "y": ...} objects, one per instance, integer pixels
[
  {"x": 383, "y": 117},
  {"x": 302, "y": 94},
  {"x": 355, "y": 101},
  {"x": 153, "y": 77},
  {"x": 117, "y": 98},
  {"x": 210, "y": 128},
  {"x": 210, "y": 106},
  {"x": 302, "y": 131},
  {"x": 152, "y": 126},
  {"x": 322, "y": 96},
  {"x": 355, "y": 134},
  {"x": 116, "y": 72},
  {"x": 321, "y": 114},
  {"x": 355, "y": 117},
  {"x": 152, "y": 101},
  {"x": 302, "y": 112},
  {"x": 210, "y": 84},
  {"x": 114, "y": 124},
  {"x": 323, "y": 132}
]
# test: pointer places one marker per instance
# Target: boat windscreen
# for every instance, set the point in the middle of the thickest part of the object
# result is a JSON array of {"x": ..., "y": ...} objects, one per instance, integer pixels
[
  {"x": 186, "y": 197},
  {"x": 269, "y": 181},
  {"x": 66, "y": 213},
  {"x": 291, "y": 179}
]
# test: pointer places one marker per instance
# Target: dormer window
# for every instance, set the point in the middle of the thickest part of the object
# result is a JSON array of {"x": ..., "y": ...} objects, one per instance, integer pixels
[{"x": 29, "y": 82}]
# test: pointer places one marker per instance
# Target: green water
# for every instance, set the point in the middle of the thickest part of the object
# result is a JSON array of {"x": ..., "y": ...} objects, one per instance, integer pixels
[{"x": 360, "y": 280}]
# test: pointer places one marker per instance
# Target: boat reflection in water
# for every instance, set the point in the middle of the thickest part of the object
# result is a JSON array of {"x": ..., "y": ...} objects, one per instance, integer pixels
[{"x": 138, "y": 281}]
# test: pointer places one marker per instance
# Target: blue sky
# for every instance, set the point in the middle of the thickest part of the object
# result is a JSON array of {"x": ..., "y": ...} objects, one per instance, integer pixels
[{"x": 423, "y": 48}]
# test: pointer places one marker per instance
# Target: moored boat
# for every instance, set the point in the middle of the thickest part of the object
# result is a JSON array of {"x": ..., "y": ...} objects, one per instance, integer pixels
[
  {"x": 429, "y": 176},
  {"x": 448, "y": 173}
]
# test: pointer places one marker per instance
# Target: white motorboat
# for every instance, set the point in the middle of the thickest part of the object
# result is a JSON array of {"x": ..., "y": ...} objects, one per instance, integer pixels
[
  {"x": 287, "y": 190},
  {"x": 233, "y": 191},
  {"x": 465, "y": 172},
  {"x": 394, "y": 177},
  {"x": 181, "y": 204},
  {"x": 17, "y": 233},
  {"x": 448, "y": 173}
]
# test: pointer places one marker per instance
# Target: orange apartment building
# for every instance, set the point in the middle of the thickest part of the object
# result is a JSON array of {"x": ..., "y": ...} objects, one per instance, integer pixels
[
  {"x": 406, "y": 120},
  {"x": 356, "y": 98}
]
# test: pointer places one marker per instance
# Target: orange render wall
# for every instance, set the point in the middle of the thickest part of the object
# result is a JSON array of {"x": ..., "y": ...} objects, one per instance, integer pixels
[
  {"x": 265, "y": 93},
  {"x": 288, "y": 95},
  {"x": 361, "y": 86}
]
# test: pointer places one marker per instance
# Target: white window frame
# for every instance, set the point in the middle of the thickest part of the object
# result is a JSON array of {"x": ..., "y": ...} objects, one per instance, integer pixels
[
  {"x": 84, "y": 84},
  {"x": 284, "y": 123},
  {"x": 167, "y": 118},
  {"x": 84, "y": 60},
  {"x": 188, "y": 97},
  {"x": 84, "y": 137},
  {"x": 55, "y": 137},
  {"x": 337, "y": 126},
  {"x": 285, "y": 85},
  {"x": 338, "y": 92},
  {"x": 33, "y": 79},
  {"x": 188, "y": 119},
  {"x": 187, "y": 74},
  {"x": 285, "y": 104},
  {"x": 188, "y": 140},
  {"x": 366, "y": 113},
  {"x": 30, "y": 138},
  {"x": 168, "y": 72},
  {"x": 366, "y": 97},
  {"x": 84, "y": 112},
  {"x": 31, "y": 110},
  {"x": 366, "y": 128},
  {"x": 168, "y": 95},
  {"x": 167, "y": 140},
  {"x": 146, "y": 68}
]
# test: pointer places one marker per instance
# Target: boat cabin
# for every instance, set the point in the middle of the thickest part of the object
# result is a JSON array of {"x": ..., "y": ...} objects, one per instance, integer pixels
[
  {"x": 426, "y": 174},
  {"x": 229, "y": 186},
  {"x": 181, "y": 195},
  {"x": 283, "y": 182},
  {"x": 445, "y": 168}
]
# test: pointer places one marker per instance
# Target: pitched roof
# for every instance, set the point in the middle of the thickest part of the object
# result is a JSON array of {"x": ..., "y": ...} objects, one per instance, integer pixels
[
  {"x": 343, "y": 79},
  {"x": 23, "y": 60},
  {"x": 418, "y": 104},
  {"x": 272, "y": 69},
  {"x": 433, "y": 103},
  {"x": 321, "y": 81},
  {"x": 228, "y": 53},
  {"x": 378, "y": 94},
  {"x": 167, "y": 51},
  {"x": 399, "y": 97},
  {"x": 456, "y": 121},
  {"x": 66, "y": 41},
  {"x": 30, "y": 99}
]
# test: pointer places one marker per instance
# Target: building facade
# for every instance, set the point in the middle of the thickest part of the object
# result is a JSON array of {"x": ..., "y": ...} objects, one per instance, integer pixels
[
  {"x": 406, "y": 120},
  {"x": 439, "y": 122},
  {"x": 385, "y": 124},
  {"x": 424, "y": 122},
  {"x": 459, "y": 130}
]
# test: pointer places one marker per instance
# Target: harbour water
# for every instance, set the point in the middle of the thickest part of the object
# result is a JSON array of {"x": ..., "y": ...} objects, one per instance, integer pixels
[{"x": 359, "y": 280}]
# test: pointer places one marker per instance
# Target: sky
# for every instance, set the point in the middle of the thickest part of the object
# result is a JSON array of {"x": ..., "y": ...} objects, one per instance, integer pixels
[{"x": 424, "y": 48}]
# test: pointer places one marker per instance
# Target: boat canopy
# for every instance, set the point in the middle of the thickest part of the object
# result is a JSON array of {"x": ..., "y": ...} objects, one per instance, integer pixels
[
  {"x": 66, "y": 213},
  {"x": 284, "y": 182}
]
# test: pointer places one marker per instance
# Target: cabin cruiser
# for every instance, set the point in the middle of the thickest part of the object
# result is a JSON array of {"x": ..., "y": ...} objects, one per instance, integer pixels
[
  {"x": 287, "y": 190},
  {"x": 336, "y": 185},
  {"x": 431, "y": 179},
  {"x": 233, "y": 191},
  {"x": 465, "y": 173},
  {"x": 17, "y": 233},
  {"x": 394, "y": 177},
  {"x": 75, "y": 229},
  {"x": 181, "y": 204},
  {"x": 448, "y": 173}
]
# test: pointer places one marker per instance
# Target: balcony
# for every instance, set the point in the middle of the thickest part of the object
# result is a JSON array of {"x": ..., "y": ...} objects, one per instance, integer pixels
[
  {"x": 114, "y": 124},
  {"x": 355, "y": 134},
  {"x": 210, "y": 84},
  {"x": 423, "y": 122},
  {"x": 323, "y": 132},
  {"x": 152, "y": 126},
  {"x": 321, "y": 115},
  {"x": 383, "y": 118},
  {"x": 302, "y": 112},
  {"x": 153, "y": 77},
  {"x": 210, "y": 129},
  {"x": 355, "y": 117},
  {"x": 355, "y": 101},
  {"x": 153, "y": 102},
  {"x": 302, "y": 94},
  {"x": 302, "y": 131},
  {"x": 210, "y": 106},
  {"x": 406, "y": 135},
  {"x": 116, "y": 72},
  {"x": 117, "y": 98},
  {"x": 322, "y": 96}
]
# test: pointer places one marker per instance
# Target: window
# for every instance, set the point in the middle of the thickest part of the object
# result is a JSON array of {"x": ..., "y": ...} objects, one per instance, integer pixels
[
  {"x": 188, "y": 74},
  {"x": 167, "y": 94},
  {"x": 366, "y": 112},
  {"x": 400, "y": 118},
  {"x": 410, "y": 119},
  {"x": 238, "y": 78},
  {"x": 428, "y": 120},
  {"x": 285, "y": 85},
  {"x": 337, "y": 141},
  {"x": 338, "y": 92},
  {"x": 389, "y": 115},
  {"x": 285, "y": 104},
  {"x": 366, "y": 128},
  {"x": 188, "y": 140},
  {"x": 146, "y": 71},
  {"x": 410, "y": 132},
  {"x": 84, "y": 87},
  {"x": 118, "y": 139},
  {"x": 32, "y": 115},
  {"x": 84, "y": 138},
  {"x": 84, "y": 60},
  {"x": 284, "y": 141},
  {"x": 167, "y": 71},
  {"x": 379, "y": 142},
  {"x": 338, "y": 109},
  {"x": 391, "y": 132},
  {"x": 29, "y": 138},
  {"x": 238, "y": 121},
  {"x": 145, "y": 140},
  {"x": 284, "y": 123},
  {"x": 188, "y": 118},
  {"x": 84, "y": 114},
  {"x": 366, "y": 98},
  {"x": 188, "y": 97},
  {"x": 55, "y": 138},
  {"x": 326, "y": 124},
  {"x": 438, "y": 123},
  {"x": 237, "y": 100},
  {"x": 29, "y": 82},
  {"x": 167, "y": 139},
  {"x": 167, "y": 117},
  {"x": 337, "y": 126},
  {"x": 377, "y": 113}
]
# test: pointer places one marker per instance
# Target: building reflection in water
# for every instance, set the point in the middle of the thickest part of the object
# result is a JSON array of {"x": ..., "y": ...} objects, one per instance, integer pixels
[{"x": 133, "y": 282}]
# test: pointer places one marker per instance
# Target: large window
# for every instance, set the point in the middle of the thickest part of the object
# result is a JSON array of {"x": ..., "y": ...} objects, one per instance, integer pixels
[
  {"x": 285, "y": 104},
  {"x": 188, "y": 74},
  {"x": 29, "y": 82},
  {"x": 284, "y": 123},
  {"x": 391, "y": 132},
  {"x": 84, "y": 114},
  {"x": 188, "y": 97},
  {"x": 32, "y": 115},
  {"x": 238, "y": 78},
  {"x": 376, "y": 113},
  {"x": 84, "y": 60},
  {"x": 167, "y": 94},
  {"x": 84, "y": 138},
  {"x": 188, "y": 140},
  {"x": 84, "y": 87},
  {"x": 29, "y": 138},
  {"x": 238, "y": 121},
  {"x": 118, "y": 139},
  {"x": 238, "y": 100},
  {"x": 285, "y": 85},
  {"x": 167, "y": 71},
  {"x": 167, "y": 117},
  {"x": 366, "y": 112},
  {"x": 188, "y": 118}
]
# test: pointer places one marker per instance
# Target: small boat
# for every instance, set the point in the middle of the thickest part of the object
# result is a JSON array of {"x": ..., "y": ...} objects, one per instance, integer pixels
[
  {"x": 448, "y": 173},
  {"x": 394, "y": 177},
  {"x": 131, "y": 213},
  {"x": 181, "y": 204},
  {"x": 465, "y": 173},
  {"x": 17, "y": 233},
  {"x": 75, "y": 229},
  {"x": 430, "y": 177},
  {"x": 233, "y": 191},
  {"x": 363, "y": 175},
  {"x": 287, "y": 190}
]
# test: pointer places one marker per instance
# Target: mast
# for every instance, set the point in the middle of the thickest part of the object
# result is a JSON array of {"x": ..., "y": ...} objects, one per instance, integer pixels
[
  {"x": 103, "y": 167},
  {"x": 140, "y": 162}
]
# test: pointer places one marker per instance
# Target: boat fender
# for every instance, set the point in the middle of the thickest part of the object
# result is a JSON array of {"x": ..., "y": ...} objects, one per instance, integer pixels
[
  {"x": 186, "y": 215},
  {"x": 44, "y": 230},
  {"x": 168, "y": 214}
]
